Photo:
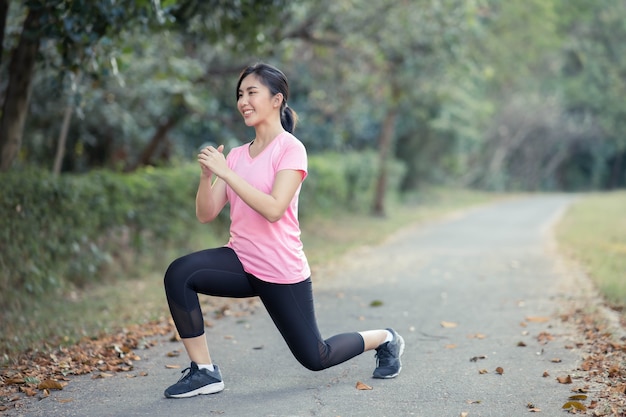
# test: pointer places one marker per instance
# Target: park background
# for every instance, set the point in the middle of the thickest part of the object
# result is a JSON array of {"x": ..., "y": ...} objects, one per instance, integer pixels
[{"x": 409, "y": 110}]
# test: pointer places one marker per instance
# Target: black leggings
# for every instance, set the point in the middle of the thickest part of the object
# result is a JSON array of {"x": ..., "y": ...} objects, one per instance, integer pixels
[{"x": 219, "y": 272}]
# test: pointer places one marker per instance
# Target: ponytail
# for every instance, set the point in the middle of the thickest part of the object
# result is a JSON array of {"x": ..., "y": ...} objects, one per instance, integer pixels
[{"x": 288, "y": 118}]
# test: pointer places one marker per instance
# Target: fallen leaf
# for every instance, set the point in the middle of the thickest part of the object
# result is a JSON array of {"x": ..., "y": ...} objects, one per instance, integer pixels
[
  {"x": 537, "y": 319},
  {"x": 476, "y": 336},
  {"x": 578, "y": 397},
  {"x": 546, "y": 374},
  {"x": 31, "y": 392},
  {"x": 521, "y": 344},
  {"x": 483, "y": 371},
  {"x": 173, "y": 354},
  {"x": 620, "y": 389},
  {"x": 14, "y": 381},
  {"x": 448, "y": 324},
  {"x": 555, "y": 360},
  {"x": 544, "y": 337},
  {"x": 451, "y": 346},
  {"x": 464, "y": 414},
  {"x": 473, "y": 401},
  {"x": 564, "y": 379},
  {"x": 614, "y": 371},
  {"x": 102, "y": 375},
  {"x": 574, "y": 404},
  {"x": 535, "y": 410},
  {"x": 499, "y": 370},
  {"x": 65, "y": 400},
  {"x": 50, "y": 384},
  {"x": 172, "y": 366},
  {"x": 476, "y": 358},
  {"x": 376, "y": 303},
  {"x": 361, "y": 386}
]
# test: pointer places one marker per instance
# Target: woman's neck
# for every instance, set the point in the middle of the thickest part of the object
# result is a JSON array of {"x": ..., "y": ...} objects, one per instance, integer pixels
[{"x": 267, "y": 134}]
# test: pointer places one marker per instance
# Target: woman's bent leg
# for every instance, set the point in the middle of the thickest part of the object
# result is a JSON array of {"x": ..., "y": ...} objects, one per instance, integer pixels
[
  {"x": 213, "y": 272},
  {"x": 291, "y": 308}
]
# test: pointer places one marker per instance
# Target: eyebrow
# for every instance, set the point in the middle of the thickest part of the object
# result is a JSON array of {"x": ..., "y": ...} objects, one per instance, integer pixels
[{"x": 252, "y": 87}]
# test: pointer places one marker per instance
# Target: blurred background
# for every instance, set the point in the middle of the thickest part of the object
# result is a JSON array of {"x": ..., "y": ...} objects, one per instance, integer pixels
[{"x": 502, "y": 95}]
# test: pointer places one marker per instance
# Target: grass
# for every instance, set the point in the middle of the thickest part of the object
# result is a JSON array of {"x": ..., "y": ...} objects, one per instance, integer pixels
[
  {"x": 68, "y": 316},
  {"x": 593, "y": 231}
]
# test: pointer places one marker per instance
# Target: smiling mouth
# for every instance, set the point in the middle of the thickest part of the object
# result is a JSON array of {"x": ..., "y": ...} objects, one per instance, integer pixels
[{"x": 248, "y": 112}]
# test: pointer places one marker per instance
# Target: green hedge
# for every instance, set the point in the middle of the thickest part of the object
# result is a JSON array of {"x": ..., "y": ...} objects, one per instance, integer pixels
[{"x": 68, "y": 230}]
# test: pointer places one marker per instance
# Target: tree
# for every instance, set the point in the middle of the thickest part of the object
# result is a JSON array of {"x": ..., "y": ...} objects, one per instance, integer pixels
[
  {"x": 82, "y": 31},
  {"x": 594, "y": 83},
  {"x": 75, "y": 28},
  {"x": 391, "y": 55}
]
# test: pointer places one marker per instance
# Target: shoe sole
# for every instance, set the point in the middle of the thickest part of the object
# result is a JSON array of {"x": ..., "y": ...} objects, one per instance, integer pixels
[
  {"x": 399, "y": 355},
  {"x": 207, "y": 389}
]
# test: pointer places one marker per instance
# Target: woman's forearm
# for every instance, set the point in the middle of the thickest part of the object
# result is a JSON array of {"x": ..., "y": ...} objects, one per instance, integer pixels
[{"x": 207, "y": 206}]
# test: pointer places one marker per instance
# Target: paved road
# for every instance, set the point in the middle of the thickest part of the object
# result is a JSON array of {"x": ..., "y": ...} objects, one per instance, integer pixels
[{"x": 486, "y": 270}]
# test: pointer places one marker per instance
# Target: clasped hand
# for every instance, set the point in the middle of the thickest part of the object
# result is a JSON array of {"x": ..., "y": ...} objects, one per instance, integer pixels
[{"x": 212, "y": 161}]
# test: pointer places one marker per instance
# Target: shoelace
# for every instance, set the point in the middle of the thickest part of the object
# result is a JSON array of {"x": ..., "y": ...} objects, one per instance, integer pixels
[
  {"x": 187, "y": 375},
  {"x": 383, "y": 353}
]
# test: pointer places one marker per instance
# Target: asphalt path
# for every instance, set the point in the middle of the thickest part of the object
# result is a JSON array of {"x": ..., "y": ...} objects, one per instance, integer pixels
[{"x": 475, "y": 292}]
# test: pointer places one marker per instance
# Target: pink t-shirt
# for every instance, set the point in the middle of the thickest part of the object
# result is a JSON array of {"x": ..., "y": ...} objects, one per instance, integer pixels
[{"x": 270, "y": 251}]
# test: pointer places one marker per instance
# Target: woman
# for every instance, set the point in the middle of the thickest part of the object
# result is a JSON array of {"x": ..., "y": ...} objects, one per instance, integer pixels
[{"x": 263, "y": 257}]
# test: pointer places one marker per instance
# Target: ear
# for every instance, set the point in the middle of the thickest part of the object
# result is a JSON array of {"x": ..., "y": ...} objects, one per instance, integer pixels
[{"x": 278, "y": 100}]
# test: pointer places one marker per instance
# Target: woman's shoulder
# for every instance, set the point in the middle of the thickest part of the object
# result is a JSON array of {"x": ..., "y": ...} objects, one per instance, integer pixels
[{"x": 288, "y": 139}]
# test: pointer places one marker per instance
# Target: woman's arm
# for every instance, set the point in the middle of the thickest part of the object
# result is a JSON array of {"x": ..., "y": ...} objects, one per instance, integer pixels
[
  {"x": 272, "y": 206},
  {"x": 211, "y": 197}
]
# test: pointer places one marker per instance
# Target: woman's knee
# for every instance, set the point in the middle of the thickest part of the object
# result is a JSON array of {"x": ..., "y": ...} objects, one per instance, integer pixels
[
  {"x": 312, "y": 364},
  {"x": 172, "y": 273}
]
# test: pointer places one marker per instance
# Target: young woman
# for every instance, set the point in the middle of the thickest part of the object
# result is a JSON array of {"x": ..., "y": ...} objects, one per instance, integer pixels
[{"x": 263, "y": 257}]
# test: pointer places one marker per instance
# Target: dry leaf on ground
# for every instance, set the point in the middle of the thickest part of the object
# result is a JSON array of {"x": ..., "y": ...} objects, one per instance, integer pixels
[
  {"x": 363, "y": 387},
  {"x": 537, "y": 319},
  {"x": 564, "y": 379}
]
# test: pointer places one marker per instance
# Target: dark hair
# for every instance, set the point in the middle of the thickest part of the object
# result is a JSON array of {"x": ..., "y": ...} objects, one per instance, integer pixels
[{"x": 276, "y": 81}]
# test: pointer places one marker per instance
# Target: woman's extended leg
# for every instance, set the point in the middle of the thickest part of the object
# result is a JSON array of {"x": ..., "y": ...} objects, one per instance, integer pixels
[{"x": 291, "y": 308}]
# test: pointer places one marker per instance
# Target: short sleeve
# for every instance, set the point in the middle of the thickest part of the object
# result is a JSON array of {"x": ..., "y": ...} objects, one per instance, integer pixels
[{"x": 293, "y": 156}]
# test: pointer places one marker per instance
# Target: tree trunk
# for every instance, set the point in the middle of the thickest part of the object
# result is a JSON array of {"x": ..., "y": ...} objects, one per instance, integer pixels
[
  {"x": 4, "y": 13},
  {"x": 21, "y": 70},
  {"x": 384, "y": 149},
  {"x": 65, "y": 126},
  {"x": 159, "y": 137}
]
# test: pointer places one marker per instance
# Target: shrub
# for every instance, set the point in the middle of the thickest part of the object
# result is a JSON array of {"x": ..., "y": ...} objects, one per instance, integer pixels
[{"x": 64, "y": 231}]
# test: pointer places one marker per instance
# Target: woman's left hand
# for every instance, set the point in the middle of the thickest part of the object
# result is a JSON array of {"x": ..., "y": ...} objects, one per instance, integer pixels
[{"x": 213, "y": 159}]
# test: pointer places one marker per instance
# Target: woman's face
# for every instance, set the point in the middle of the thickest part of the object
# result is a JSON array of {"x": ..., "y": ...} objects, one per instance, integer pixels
[{"x": 255, "y": 102}]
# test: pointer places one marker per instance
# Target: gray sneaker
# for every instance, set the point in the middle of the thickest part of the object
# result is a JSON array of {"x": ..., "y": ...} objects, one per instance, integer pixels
[
  {"x": 388, "y": 354},
  {"x": 195, "y": 382}
]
